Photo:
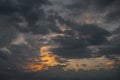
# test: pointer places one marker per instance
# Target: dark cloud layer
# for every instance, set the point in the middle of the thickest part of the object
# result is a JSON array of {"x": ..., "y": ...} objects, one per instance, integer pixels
[
  {"x": 76, "y": 45},
  {"x": 30, "y": 11},
  {"x": 65, "y": 75},
  {"x": 7, "y": 32},
  {"x": 30, "y": 17},
  {"x": 90, "y": 23},
  {"x": 12, "y": 6},
  {"x": 114, "y": 44}
]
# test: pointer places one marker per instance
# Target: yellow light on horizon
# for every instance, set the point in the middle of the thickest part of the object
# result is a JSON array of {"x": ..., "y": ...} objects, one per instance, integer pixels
[{"x": 46, "y": 60}]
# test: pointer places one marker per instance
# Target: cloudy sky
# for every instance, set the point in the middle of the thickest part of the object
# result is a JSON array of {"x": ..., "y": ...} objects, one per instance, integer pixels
[{"x": 59, "y": 39}]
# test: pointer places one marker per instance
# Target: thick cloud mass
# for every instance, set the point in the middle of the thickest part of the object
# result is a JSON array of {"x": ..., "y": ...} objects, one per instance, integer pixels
[
  {"x": 12, "y": 6},
  {"x": 76, "y": 45},
  {"x": 74, "y": 29},
  {"x": 7, "y": 31}
]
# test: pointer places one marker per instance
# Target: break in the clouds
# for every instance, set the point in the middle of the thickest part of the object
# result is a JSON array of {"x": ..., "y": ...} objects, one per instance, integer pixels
[{"x": 82, "y": 36}]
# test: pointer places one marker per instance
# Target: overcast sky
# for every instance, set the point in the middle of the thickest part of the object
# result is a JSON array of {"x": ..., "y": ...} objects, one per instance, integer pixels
[{"x": 59, "y": 39}]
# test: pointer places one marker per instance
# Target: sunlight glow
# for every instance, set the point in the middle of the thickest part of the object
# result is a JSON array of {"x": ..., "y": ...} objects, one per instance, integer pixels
[{"x": 45, "y": 61}]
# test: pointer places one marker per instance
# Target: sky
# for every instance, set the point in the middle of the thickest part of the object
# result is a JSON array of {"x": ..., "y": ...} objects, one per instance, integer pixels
[{"x": 59, "y": 39}]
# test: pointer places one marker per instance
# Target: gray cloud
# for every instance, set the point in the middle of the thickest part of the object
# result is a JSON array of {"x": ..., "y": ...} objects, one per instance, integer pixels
[
  {"x": 76, "y": 45},
  {"x": 89, "y": 23},
  {"x": 10, "y": 7},
  {"x": 7, "y": 31},
  {"x": 70, "y": 75}
]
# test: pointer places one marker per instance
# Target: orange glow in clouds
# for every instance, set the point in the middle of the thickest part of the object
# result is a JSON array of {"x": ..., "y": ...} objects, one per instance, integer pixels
[{"x": 45, "y": 61}]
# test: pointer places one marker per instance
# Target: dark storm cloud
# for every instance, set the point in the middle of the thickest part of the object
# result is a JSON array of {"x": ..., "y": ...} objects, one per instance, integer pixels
[
  {"x": 78, "y": 5},
  {"x": 60, "y": 75},
  {"x": 3, "y": 56},
  {"x": 85, "y": 4},
  {"x": 29, "y": 17},
  {"x": 112, "y": 6},
  {"x": 115, "y": 14},
  {"x": 71, "y": 47},
  {"x": 7, "y": 32},
  {"x": 108, "y": 8},
  {"x": 6, "y": 36},
  {"x": 10, "y": 11},
  {"x": 12, "y": 6},
  {"x": 30, "y": 11},
  {"x": 11, "y": 63},
  {"x": 110, "y": 50},
  {"x": 117, "y": 31},
  {"x": 103, "y": 4},
  {"x": 37, "y": 22},
  {"x": 113, "y": 46},
  {"x": 91, "y": 33},
  {"x": 76, "y": 45}
]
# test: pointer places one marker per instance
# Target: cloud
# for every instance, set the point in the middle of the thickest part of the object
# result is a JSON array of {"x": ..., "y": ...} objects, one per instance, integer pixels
[
  {"x": 10, "y": 7},
  {"x": 105, "y": 13},
  {"x": 79, "y": 29},
  {"x": 113, "y": 44},
  {"x": 7, "y": 31},
  {"x": 70, "y": 75},
  {"x": 97, "y": 63},
  {"x": 25, "y": 15},
  {"x": 75, "y": 44}
]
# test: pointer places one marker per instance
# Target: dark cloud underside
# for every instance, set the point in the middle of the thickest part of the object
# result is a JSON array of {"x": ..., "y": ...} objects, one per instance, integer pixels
[{"x": 81, "y": 29}]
